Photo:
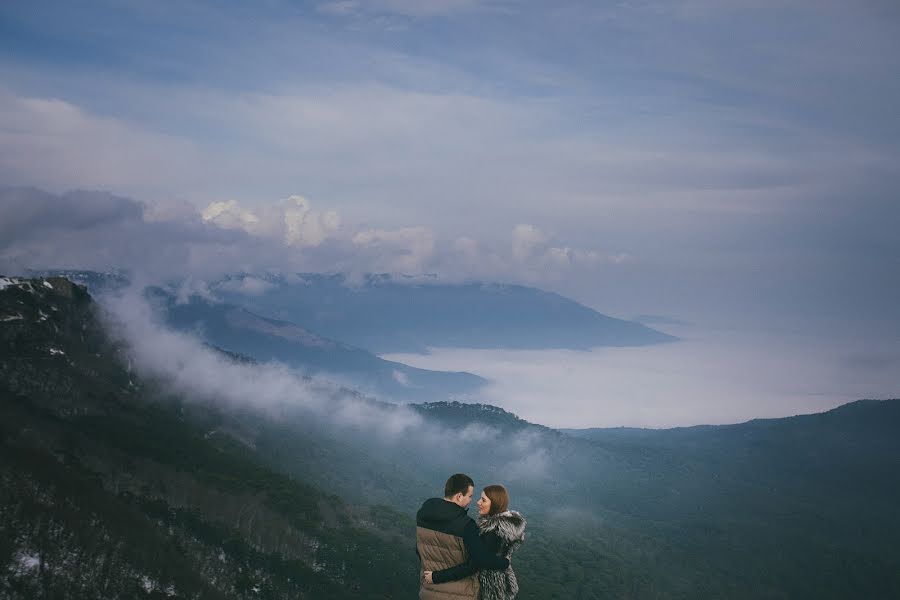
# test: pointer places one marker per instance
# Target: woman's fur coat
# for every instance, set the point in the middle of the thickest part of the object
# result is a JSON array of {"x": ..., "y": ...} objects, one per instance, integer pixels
[{"x": 509, "y": 526}]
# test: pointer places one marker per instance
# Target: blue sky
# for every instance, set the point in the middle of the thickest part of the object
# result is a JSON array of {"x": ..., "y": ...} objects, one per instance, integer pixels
[{"x": 734, "y": 163}]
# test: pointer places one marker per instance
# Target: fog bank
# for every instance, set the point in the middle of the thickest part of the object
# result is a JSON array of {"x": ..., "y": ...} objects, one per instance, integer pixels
[{"x": 711, "y": 377}]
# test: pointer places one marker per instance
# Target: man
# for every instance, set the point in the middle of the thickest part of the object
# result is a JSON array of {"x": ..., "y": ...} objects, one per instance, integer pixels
[{"x": 446, "y": 537}]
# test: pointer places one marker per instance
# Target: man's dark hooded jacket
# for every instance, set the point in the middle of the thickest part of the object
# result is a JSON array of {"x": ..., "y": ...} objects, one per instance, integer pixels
[{"x": 445, "y": 537}]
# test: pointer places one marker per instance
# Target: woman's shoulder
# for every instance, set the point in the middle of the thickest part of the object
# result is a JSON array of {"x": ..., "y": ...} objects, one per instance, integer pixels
[
  {"x": 506, "y": 515},
  {"x": 509, "y": 524},
  {"x": 514, "y": 516}
]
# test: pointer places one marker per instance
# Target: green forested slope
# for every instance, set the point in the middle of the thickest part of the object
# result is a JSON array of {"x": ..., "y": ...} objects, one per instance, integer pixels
[{"x": 112, "y": 489}]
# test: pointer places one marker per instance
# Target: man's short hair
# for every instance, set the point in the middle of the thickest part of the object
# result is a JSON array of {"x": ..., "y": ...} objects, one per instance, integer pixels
[{"x": 458, "y": 484}]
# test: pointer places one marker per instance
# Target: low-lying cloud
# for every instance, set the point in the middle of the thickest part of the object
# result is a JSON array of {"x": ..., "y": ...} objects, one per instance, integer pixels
[
  {"x": 184, "y": 365},
  {"x": 710, "y": 377}
]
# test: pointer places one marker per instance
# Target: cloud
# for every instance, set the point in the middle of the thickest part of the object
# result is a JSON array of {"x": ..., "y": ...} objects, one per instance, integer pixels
[
  {"x": 411, "y": 8},
  {"x": 188, "y": 367},
  {"x": 58, "y": 144},
  {"x": 527, "y": 240},
  {"x": 477, "y": 432},
  {"x": 515, "y": 154},
  {"x": 293, "y": 220},
  {"x": 98, "y": 230},
  {"x": 339, "y": 7},
  {"x": 247, "y": 285},
  {"x": 406, "y": 250},
  {"x": 428, "y": 7},
  {"x": 191, "y": 287},
  {"x": 674, "y": 197},
  {"x": 538, "y": 259},
  {"x": 27, "y": 211},
  {"x": 400, "y": 377},
  {"x": 712, "y": 376},
  {"x": 532, "y": 466},
  {"x": 227, "y": 215},
  {"x": 305, "y": 227}
]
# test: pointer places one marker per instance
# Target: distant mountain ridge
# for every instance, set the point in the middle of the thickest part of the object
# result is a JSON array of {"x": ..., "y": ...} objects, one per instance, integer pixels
[
  {"x": 233, "y": 328},
  {"x": 867, "y": 413},
  {"x": 387, "y": 314},
  {"x": 236, "y": 329}
]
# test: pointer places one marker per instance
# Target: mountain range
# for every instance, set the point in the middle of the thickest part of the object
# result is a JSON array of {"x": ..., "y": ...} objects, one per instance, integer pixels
[
  {"x": 332, "y": 326},
  {"x": 117, "y": 484},
  {"x": 386, "y": 314},
  {"x": 237, "y": 329}
]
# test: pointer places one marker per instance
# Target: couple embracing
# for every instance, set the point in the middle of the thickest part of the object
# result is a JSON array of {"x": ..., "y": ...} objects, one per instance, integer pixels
[{"x": 464, "y": 559}]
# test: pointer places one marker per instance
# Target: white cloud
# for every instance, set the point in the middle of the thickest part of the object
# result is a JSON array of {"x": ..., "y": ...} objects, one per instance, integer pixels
[
  {"x": 538, "y": 260},
  {"x": 531, "y": 466},
  {"x": 411, "y": 8},
  {"x": 711, "y": 377},
  {"x": 293, "y": 220},
  {"x": 202, "y": 375},
  {"x": 427, "y": 7},
  {"x": 248, "y": 285},
  {"x": 191, "y": 287},
  {"x": 477, "y": 432},
  {"x": 305, "y": 227},
  {"x": 54, "y": 143},
  {"x": 100, "y": 231},
  {"x": 339, "y": 7},
  {"x": 663, "y": 202},
  {"x": 466, "y": 247},
  {"x": 515, "y": 155},
  {"x": 228, "y": 215},
  {"x": 400, "y": 377},
  {"x": 405, "y": 250},
  {"x": 526, "y": 241}
]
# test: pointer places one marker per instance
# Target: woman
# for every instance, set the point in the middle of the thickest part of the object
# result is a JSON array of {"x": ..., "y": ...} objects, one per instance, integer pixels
[{"x": 502, "y": 531}]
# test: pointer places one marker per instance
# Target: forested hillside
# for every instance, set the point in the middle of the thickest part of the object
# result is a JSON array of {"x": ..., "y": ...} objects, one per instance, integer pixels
[{"x": 112, "y": 488}]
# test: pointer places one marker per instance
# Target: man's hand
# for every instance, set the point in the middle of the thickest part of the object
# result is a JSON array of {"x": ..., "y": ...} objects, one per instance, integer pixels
[{"x": 427, "y": 577}]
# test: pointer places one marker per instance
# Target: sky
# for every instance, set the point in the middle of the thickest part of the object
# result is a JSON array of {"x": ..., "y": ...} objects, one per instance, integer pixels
[{"x": 730, "y": 164}]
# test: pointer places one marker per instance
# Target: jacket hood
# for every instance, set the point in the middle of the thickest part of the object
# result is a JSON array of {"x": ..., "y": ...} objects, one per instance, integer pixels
[
  {"x": 438, "y": 510},
  {"x": 508, "y": 525}
]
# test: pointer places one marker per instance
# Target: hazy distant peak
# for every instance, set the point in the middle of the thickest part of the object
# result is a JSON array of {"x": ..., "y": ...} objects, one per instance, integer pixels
[{"x": 386, "y": 313}]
